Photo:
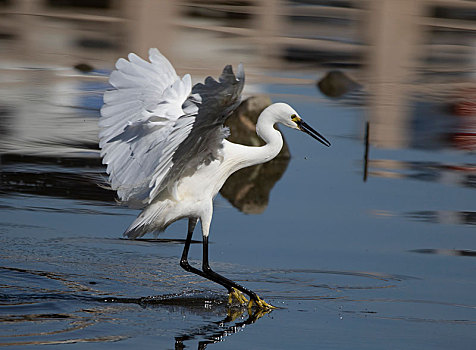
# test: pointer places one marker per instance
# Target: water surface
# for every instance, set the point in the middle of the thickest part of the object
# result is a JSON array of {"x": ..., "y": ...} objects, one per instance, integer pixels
[{"x": 381, "y": 263}]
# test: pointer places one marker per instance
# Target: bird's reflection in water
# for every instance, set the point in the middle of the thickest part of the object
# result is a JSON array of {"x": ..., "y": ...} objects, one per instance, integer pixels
[
  {"x": 248, "y": 189},
  {"x": 195, "y": 303},
  {"x": 217, "y": 331},
  {"x": 49, "y": 308}
]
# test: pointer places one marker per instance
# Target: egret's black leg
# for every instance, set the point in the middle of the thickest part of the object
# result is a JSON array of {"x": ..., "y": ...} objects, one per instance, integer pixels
[
  {"x": 212, "y": 275},
  {"x": 192, "y": 222},
  {"x": 229, "y": 284}
]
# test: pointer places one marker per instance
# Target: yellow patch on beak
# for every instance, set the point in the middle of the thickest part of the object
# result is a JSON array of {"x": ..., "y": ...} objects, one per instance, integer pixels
[{"x": 295, "y": 118}]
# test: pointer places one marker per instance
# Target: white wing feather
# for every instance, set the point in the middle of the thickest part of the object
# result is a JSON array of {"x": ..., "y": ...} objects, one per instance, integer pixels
[{"x": 142, "y": 124}]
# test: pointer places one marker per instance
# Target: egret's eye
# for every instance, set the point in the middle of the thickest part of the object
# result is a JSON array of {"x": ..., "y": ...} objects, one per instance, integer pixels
[{"x": 295, "y": 118}]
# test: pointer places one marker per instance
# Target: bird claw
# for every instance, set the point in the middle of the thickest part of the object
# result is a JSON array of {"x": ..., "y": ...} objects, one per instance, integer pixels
[
  {"x": 235, "y": 293},
  {"x": 261, "y": 304}
]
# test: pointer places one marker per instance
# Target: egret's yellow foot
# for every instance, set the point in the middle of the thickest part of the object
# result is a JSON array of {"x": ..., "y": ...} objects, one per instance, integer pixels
[
  {"x": 261, "y": 304},
  {"x": 235, "y": 293}
]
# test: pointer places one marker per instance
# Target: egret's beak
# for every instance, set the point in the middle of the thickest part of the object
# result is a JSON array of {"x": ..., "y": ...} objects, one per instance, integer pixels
[{"x": 303, "y": 126}]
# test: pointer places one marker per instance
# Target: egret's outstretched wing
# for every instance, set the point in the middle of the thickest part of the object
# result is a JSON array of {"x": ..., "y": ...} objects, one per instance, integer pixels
[
  {"x": 155, "y": 128},
  {"x": 215, "y": 100},
  {"x": 142, "y": 123}
]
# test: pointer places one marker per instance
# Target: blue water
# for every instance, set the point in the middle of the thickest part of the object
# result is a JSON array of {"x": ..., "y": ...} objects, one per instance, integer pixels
[{"x": 386, "y": 263}]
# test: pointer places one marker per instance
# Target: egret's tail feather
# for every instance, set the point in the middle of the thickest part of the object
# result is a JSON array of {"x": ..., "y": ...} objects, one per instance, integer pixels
[
  {"x": 150, "y": 219},
  {"x": 138, "y": 231}
]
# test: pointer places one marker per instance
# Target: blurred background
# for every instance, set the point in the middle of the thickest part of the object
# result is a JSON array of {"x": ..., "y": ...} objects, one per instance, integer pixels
[{"x": 396, "y": 50}]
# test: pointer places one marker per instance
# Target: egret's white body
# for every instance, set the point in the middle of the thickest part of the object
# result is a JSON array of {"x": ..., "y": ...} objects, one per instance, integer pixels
[
  {"x": 194, "y": 194},
  {"x": 166, "y": 151}
]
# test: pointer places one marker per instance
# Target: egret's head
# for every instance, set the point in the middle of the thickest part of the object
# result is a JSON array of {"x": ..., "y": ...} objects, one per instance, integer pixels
[{"x": 288, "y": 116}]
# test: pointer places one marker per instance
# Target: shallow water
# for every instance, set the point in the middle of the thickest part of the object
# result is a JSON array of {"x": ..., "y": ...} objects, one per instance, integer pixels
[{"x": 381, "y": 263}]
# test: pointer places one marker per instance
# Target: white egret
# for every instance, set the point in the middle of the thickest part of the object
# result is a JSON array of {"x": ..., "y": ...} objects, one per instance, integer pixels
[{"x": 165, "y": 147}]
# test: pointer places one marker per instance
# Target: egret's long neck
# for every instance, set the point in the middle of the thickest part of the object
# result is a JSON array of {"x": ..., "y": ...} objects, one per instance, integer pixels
[
  {"x": 242, "y": 156},
  {"x": 273, "y": 138}
]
